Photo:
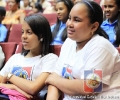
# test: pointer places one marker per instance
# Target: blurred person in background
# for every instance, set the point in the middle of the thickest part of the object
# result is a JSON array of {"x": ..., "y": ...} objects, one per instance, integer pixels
[
  {"x": 3, "y": 29},
  {"x": 112, "y": 23},
  {"x": 14, "y": 15},
  {"x": 52, "y": 8},
  {"x": 26, "y": 5},
  {"x": 36, "y": 9},
  {"x": 59, "y": 31}
]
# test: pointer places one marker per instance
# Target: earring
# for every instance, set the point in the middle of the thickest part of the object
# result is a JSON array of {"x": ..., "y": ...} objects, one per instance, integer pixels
[{"x": 41, "y": 39}]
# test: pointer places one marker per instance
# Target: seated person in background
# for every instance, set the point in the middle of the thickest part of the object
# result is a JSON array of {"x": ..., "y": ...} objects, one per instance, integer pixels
[
  {"x": 2, "y": 57},
  {"x": 29, "y": 69},
  {"x": 14, "y": 15},
  {"x": 3, "y": 3},
  {"x": 45, "y": 4},
  {"x": 112, "y": 24},
  {"x": 32, "y": 2},
  {"x": 37, "y": 8},
  {"x": 3, "y": 29},
  {"x": 50, "y": 9},
  {"x": 26, "y": 5},
  {"x": 59, "y": 31},
  {"x": 85, "y": 51}
]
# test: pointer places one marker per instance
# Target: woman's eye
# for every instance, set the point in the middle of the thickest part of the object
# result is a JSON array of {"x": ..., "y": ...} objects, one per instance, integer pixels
[
  {"x": 77, "y": 20},
  {"x": 29, "y": 32}
]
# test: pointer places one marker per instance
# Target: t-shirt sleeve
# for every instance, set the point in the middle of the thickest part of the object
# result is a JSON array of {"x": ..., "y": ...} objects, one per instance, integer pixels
[
  {"x": 6, "y": 68},
  {"x": 60, "y": 62},
  {"x": 101, "y": 58},
  {"x": 48, "y": 63}
]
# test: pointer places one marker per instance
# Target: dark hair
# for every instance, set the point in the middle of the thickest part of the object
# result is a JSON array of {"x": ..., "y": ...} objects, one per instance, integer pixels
[
  {"x": 40, "y": 26},
  {"x": 117, "y": 25},
  {"x": 95, "y": 14},
  {"x": 38, "y": 6},
  {"x": 17, "y": 1},
  {"x": 2, "y": 11},
  {"x": 69, "y": 6}
]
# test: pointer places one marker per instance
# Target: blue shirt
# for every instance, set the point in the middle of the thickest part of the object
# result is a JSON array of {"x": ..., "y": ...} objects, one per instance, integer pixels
[
  {"x": 109, "y": 29},
  {"x": 3, "y": 33},
  {"x": 57, "y": 40}
]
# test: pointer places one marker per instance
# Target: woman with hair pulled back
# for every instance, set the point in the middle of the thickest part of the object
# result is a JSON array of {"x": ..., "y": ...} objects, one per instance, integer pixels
[
  {"x": 59, "y": 31},
  {"x": 87, "y": 48},
  {"x": 27, "y": 71},
  {"x": 112, "y": 23}
]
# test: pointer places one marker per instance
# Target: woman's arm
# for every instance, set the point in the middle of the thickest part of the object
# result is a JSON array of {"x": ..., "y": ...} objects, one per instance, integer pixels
[
  {"x": 53, "y": 93},
  {"x": 70, "y": 87},
  {"x": 30, "y": 87}
]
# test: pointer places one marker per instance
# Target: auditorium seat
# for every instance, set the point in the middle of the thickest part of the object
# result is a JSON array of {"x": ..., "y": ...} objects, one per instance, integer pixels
[
  {"x": 8, "y": 49},
  {"x": 56, "y": 49},
  {"x": 52, "y": 18},
  {"x": 15, "y": 33},
  {"x": 8, "y": 26}
]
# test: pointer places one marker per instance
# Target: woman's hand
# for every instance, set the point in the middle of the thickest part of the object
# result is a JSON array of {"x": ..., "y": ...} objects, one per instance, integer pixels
[{"x": 52, "y": 79}]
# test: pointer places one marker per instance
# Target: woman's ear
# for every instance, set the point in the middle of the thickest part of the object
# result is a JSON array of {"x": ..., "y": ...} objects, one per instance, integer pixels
[{"x": 95, "y": 26}]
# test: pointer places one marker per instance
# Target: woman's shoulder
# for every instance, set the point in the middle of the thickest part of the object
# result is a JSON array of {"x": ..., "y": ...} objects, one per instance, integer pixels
[
  {"x": 51, "y": 55},
  {"x": 99, "y": 42},
  {"x": 18, "y": 55}
]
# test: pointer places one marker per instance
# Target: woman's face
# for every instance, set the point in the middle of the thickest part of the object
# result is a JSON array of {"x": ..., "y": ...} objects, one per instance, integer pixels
[
  {"x": 29, "y": 39},
  {"x": 78, "y": 24},
  {"x": 111, "y": 10},
  {"x": 62, "y": 11},
  {"x": 13, "y": 5}
]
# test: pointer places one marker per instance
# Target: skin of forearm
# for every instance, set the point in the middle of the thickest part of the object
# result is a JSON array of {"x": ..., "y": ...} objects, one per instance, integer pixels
[
  {"x": 71, "y": 87},
  {"x": 22, "y": 83},
  {"x": 53, "y": 93}
]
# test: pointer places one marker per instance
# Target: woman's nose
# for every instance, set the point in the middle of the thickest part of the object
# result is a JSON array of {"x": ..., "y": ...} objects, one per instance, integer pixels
[
  {"x": 24, "y": 35},
  {"x": 69, "y": 23}
]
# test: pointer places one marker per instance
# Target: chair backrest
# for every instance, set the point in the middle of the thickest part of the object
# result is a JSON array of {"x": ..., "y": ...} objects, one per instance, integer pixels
[
  {"x": 27, "y": 11},
  {"x": 56, "y": 48},
  {"x": 15, "y": 34},
  {"x": 8, "y": 26},
  {"x": 52, "y": 18},
  {"x": 8, "y": 49}
]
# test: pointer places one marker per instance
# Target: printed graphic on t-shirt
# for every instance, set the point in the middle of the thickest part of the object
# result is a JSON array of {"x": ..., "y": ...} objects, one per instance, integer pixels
[
  {"x": 67, "y": 72},
  {"x": 24, "y": 72}
]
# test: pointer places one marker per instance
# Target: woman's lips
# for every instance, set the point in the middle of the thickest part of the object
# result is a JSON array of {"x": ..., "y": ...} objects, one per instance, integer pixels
[
  {"x": 70, "y": 31},
  {"x": 24, "y": 43}
]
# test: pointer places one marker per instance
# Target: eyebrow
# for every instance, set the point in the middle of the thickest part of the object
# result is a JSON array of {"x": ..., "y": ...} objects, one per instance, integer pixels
[{"x": 76, "y": 17}]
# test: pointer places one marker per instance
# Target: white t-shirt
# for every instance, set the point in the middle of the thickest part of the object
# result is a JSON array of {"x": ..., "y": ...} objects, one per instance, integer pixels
[
  {"x": 29, "y": 68},
  {"x": 2, "y": 57},
  {"x": 98, "y": 53}
]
